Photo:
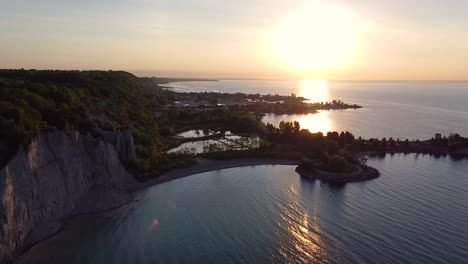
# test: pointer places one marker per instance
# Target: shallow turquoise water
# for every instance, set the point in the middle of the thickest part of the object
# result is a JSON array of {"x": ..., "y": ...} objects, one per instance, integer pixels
[{"x": 416, "y": 212}]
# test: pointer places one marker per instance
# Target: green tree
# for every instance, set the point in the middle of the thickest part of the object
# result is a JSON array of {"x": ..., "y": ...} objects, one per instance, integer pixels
[
  {"x": 336, "y": 163},
  {"x": 332, "y": 147}
]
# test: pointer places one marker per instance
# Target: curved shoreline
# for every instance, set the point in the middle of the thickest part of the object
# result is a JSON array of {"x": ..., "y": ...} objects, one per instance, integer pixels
[
  {"x": 205, "y": 165},
  {"x": 202, "y": 166}
]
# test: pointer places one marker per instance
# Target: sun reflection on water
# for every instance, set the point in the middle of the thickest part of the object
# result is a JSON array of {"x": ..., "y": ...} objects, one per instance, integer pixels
[
  {"x": 314, "y": 90},
  {"x": 303, "y": 243},
  {"x": 319, "y": 122}
]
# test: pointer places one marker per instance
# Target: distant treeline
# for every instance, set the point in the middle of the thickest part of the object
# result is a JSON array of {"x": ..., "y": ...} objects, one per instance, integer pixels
[
  {"x": 214, "y": 96},
  {"x": 170, "y": 80}
]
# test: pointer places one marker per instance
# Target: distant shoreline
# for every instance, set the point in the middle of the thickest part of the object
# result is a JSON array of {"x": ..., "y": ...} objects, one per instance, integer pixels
[
  {"x": 426, "y": 151},
  {"x": 161, "y": 81}
]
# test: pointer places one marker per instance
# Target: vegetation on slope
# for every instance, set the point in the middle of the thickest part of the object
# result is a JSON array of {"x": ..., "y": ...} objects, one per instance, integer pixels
[
  {"x": 86, "y": 101},
  {"x": 92, "y": 102}
]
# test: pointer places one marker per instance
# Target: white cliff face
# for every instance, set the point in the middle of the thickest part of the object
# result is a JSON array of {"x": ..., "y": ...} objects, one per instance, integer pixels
[
  {"x": 59, "y": 175},
  {"x": 123, "y": 143}
]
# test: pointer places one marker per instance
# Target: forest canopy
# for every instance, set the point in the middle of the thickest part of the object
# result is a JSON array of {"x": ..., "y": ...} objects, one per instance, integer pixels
[{"x": 84, "y": 101}]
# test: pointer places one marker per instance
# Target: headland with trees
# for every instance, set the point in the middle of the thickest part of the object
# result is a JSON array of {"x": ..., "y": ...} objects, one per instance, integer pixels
[{"x": 96, "y": 102}]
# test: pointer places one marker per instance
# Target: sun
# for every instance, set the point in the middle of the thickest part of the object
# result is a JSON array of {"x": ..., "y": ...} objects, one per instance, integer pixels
[{"x": 315, "y": 39}]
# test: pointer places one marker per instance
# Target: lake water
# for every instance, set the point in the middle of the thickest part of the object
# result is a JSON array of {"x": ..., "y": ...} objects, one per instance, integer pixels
[
  {"x": 416, "y": 212},
  {"x": 398, "y": 109}
]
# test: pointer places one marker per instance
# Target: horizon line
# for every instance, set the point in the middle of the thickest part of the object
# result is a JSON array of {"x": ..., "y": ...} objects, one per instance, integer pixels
[{"x": 140, "y": 74}]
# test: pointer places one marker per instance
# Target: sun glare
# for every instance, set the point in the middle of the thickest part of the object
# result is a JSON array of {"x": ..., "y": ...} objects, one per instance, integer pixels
[
  {"x": 315, "y": 39},
  {"x": 314, "y": 90}
]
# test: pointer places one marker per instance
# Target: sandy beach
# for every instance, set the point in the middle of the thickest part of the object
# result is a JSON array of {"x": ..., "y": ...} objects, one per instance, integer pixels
[{"x": 204, "y": 165}]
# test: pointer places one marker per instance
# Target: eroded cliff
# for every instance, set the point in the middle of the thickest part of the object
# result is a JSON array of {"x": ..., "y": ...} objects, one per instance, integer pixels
[{"x": 59, "y": 175}]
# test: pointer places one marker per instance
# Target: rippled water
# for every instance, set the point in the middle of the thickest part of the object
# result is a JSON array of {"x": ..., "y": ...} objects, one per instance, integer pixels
[
  {"x": 398, "y": 109},
  {"x": 416, "y": 212}
]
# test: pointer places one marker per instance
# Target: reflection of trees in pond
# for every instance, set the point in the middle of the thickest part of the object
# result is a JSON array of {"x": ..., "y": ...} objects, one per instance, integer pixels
[
  {"x": 383, "y": 155},
  {"x": 232, "y": 143},
  {"x": 214, "y": 147},
  {"x": 218, "y": 144},
  {"x": 187, "y": 150}
]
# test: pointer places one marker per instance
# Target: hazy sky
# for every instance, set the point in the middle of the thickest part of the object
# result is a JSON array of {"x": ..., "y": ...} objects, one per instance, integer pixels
[{"x": 395, "y": 39}]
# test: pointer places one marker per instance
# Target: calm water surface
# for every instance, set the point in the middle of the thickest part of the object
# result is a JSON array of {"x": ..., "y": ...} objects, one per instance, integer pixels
[
  {"x": 416, "y": 212},
  {"x": 398, "y": 109}
]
